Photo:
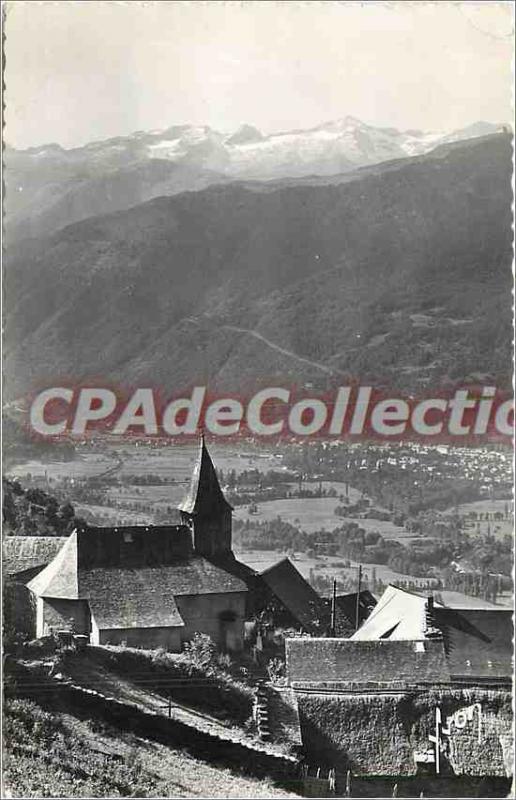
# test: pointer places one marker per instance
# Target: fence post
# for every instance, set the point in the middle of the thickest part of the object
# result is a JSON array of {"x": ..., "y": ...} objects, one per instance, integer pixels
[
  {"x": 348, "y": 783},
  {"x": 395, "y": 790}
]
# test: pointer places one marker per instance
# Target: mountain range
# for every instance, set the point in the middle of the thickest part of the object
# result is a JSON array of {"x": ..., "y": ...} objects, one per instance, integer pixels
[
  {"x": 49, "y": 187},
  {"x": 396, "y": 273}
]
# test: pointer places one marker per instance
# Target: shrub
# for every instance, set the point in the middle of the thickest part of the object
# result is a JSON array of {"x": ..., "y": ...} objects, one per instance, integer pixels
[
  {"x": 201, "y": 651},
  {"x": 276, "y": 671},
  {"x": 207, "y": 688}
]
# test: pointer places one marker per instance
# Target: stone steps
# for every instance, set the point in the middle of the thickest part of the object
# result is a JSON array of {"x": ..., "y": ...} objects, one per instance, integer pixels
[{"x": 262, "y": 713}]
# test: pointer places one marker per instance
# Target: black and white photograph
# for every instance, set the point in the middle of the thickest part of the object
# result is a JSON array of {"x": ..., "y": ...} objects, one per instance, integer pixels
[{"x": 257, "y": 399}]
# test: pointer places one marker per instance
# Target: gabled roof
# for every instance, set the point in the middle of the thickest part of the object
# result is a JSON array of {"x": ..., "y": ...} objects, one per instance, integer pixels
[
  {"x": 295, "y": 593},
  {"x": 205, "y": 495},
  {"x": 477, "y": 641},
  {"x": 398, "y": 615},
  {"x": 21, "y": 553}
]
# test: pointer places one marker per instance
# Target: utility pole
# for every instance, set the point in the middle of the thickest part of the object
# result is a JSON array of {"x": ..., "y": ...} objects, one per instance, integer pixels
[
  {"x": 357, "y": 613},
  {"x": 333, "y": 604}
]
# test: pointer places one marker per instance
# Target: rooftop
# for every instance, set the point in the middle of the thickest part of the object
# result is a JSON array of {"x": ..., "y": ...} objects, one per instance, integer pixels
[
  {"x": 74, "y": 575},
  {"x": 21, "y": 553},
  {"x": 205, "y": 495},
  {"x": 296, "y": 594},
  {"x": 477, "y": 641}
]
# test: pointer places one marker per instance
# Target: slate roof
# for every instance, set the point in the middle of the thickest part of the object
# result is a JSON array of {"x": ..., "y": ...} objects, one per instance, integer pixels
[
  {"x": 205, "y": 495},
  {"x": 229, "y": 563},
  {"x": 342, "y": 661},
  {"x": 21, "y": 553},
  {"x": 296, "y": 594},
  {"x": 131, "y": 597},
  {"x": 347, "y": 604},
  {"x": 477, "y": 641}
]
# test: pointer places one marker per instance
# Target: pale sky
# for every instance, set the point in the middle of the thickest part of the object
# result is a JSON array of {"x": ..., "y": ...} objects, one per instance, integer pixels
[{"x": 80, "y": 71}]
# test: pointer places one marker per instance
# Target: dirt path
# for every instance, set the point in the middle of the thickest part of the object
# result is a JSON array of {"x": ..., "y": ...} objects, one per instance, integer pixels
[{"x": 273, "y": 346}]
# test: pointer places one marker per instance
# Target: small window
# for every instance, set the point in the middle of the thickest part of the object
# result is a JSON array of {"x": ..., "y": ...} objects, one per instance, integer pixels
[
  {"x": 419, "y": 647},
  {"x": 128, "y": 536}
]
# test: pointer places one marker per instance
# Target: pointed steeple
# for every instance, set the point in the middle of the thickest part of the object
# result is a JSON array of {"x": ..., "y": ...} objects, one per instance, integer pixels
[
  {"x": 206, "y": 511},
  {"x": 205, "y": 495}
]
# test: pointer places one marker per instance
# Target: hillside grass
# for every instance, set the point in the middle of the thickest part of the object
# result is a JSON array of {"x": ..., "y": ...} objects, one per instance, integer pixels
[
  {"x": 57, "y": 755},
  {"x": 198, "y": 681}
]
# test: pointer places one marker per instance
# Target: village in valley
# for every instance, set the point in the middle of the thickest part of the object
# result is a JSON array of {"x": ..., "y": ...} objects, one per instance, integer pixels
[
  {"x": 410, "y": 514},
  {"x": 258, "y": 400},
  {"x": 283, "y": 602}
]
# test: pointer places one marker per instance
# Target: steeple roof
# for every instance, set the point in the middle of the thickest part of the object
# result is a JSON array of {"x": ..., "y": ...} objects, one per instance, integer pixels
[{"x": 205, "y": 495}]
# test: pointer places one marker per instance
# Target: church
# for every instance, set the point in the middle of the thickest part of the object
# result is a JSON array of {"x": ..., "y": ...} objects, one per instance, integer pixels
[{"x": 155, "y": 586}]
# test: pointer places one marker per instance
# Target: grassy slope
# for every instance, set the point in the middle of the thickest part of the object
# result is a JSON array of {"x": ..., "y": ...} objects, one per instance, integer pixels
[{"x": 58, "y": 755}]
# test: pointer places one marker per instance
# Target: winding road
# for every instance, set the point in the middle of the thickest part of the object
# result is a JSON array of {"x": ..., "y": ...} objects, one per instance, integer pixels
[{"x": 272, "y": 345}]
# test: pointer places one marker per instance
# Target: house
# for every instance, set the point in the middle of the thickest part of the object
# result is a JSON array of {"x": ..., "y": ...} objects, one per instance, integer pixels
[
  {"x": 421, "y": 689},
  {"x": 477, "y": 641}
]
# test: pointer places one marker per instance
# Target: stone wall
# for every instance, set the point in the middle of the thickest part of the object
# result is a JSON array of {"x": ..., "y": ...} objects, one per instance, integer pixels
[
  {"x": 379, "y": 733},
  {"x": 336, "y": 660},
  {"x": 19, "y": 607},
  {"x": 147, "y": 638},
  {"x": 57, "y": 614}
]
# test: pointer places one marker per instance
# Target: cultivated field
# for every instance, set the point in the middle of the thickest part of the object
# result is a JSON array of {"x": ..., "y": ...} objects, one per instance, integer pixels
[
  {"x": 495, "y": 527},
  {"x": 318, "y": 513},
  {"x": 174, "y": 463},
  {"x": 85, "y": 465},
  {"x": 171, "y": 461},
  {"x": 327, "y": 565}
]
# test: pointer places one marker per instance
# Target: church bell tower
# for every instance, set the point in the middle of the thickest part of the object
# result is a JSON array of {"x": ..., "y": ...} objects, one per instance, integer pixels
[{"x": 206, "y": 511}]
